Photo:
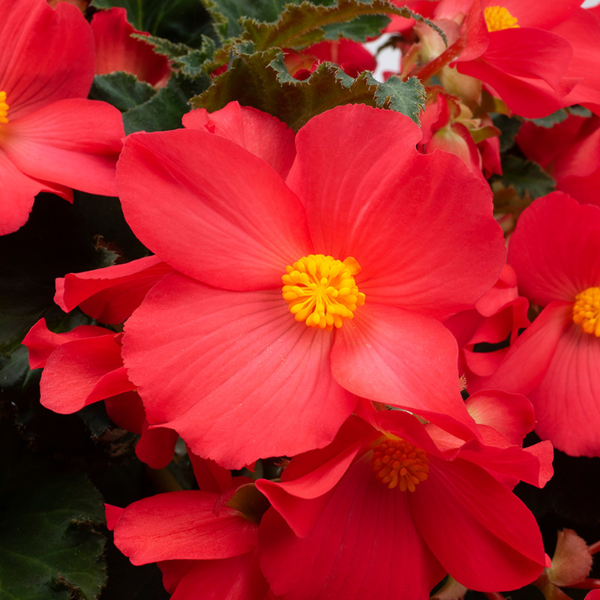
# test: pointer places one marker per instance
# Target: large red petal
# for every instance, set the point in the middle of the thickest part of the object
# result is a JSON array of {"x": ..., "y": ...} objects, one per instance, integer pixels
[
  {"x": 211, "y": 209},
  {"x": 533, "y": 14},
  {"x": 261, "y": 134},
  {"x": 48, "y": 55},
  {"x": 483, "y": 535},
  {"x": 567, "y": 402},
  {"x": 182, "y": 525},
  {"x": 370, "y": 195},
  {"x": 236, "y": 578},
  {"x": 555, "y": 249},
  {"x": 233, "y": 372},
  {"x": 111, "y": 294},
  {"x": 365, "y": 546},
  {"x": 73, "y": 142},
  {"x": 403, "y": 359}
]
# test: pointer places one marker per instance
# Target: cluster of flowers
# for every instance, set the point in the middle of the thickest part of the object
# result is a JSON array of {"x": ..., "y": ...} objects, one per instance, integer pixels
[{"x": 316, "y": 296}]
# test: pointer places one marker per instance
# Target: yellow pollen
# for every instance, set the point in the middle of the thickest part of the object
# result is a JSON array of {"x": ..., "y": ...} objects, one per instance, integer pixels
[
  {"x": 3, "y": 108},
  {"x": 397, "y": 463},
  {"x": 586, "y": 310},
  {"x": 498, "y": 18},
  {"x": 321, "y": 290}
]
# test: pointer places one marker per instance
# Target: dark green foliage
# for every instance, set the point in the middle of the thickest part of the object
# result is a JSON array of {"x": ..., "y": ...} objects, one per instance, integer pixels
[
  {"x": 123, "y": 90},
  {"x": 526, "y": 176}
]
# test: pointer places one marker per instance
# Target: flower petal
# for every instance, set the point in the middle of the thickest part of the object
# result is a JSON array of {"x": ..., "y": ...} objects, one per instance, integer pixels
[
  {"x": 48, "y": 55},
  {"x": 402, "y": 359},
  {"x": 233, "y": 372},
  {"x": 182, "y": 525},
  {"x": 567, "y": 400},
  {"x": 555, "y": 249},
  {"x": 260, "y": 133},
  {"x": 485, "y": 537},
  {"x": 72, "y": 142},
  {"x": 363, "y": 547},
  {"x": 370, "y": 195},
  {"x": 211, "y": 209}
]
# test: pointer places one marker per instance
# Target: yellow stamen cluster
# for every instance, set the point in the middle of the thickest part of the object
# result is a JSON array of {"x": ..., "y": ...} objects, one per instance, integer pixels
[
  {"x": 321, "y": 290},
  {"x": 3, "y": 108},
  {"x": 586, "y": 311},
  {"x": 498, "y": 18},
  {"x": 397, "y": 463}
]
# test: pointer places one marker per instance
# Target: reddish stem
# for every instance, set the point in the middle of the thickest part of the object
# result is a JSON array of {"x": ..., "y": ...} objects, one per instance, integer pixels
[
  {"x": 494, "y": 595},
  {"x": 433, "y": 66},
  {"x": 587, "y": 584},
  {"x": 594, "y": 548}
]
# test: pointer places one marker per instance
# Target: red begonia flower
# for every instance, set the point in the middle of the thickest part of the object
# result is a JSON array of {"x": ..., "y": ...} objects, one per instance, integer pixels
[
  {"x": 498, "y": 314},
  {"x": 110, "y": 294},
  {"x": 569, "y": 152},
  {"x": 214, "y": 349},
  {"x": 51, "y": 137},
  {"x": 555, "y": 252},
  {"x": 116, "y": 50},
  {"x": 347, "y": 522},
  {"x": 537, "y": 58},
  {"x": 203, "y": 552},
  {"x": 84, "y": 366}
]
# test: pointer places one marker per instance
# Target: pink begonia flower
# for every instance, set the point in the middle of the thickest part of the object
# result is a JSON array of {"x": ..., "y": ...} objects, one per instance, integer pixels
[
  {"x": 84, "y": 366},
  {"x": 116, "y": 50},
  {"x": 51, "y": 137},
  {"x": 498, "y": 314},
  {"x": 225, "y": 354},
  {"x": 205, "y": 542},
  {"x": 569, "y": 152},
  {"x": 392, "y": 505},
  {"x": 555, "y": 251},
  {"x": 111, "y": 294},
  {"x": 536, "y": 57}
]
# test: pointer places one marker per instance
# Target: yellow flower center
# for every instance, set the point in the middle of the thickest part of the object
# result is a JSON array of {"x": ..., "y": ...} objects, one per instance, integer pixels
[
  {"x": 321, "y": 290},
  {"x": 498, "y": 18},
  {"x": 397, "y": 463},
  {"x": 3, "y": 108},
  {"x": 586, "y": 310}
]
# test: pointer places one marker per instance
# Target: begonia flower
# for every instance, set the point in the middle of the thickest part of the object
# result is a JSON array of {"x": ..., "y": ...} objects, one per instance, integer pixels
[
  {"x": 116, "y": 50},
  {"x": 555, "y": 251},
  {"x": 569, "y": 152},
  {"x": 293, "y": 296},
  {"x": 498, "y": 315},
  {"x": 51, "y": 137},
  {"x": 84, "y": 366},
  {"x": 389, "y": 507},
  {"x": 537, "y": 58},
  {"x": 204, "y": 548}
]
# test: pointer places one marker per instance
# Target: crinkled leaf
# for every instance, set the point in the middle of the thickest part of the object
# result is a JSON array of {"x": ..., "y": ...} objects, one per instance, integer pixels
[
  {"x": 165, "y": 110},
  {"x": 178, "y": 20},
  {"x": 359, "y": 29},
  {"x": 188, "y": 60},
  {"x": 261, "y": 80},
  {"x": 123, "y": 90},
  {"x": 526, "y": 176},
  {"x": 509, "y": 128},
  {"x": 49, "y": 549},
  {"x": 407, "y": 97},
  {"x": 551, "y": 120}
]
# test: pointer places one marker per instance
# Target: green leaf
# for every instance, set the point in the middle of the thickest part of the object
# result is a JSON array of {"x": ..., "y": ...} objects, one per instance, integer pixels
[
  {"x": 551, "y": 120},
  {"x": 178, "y": 20},
  {"x": 165, "y": 110},
  {"x": 188, "y": 60},
  {"x": 580, "y": 111},
  {"x": 49, "y": 549},
  {"x": 359, "y": 29},
  {"x": 123, "y": 90},
  {"x": 526, "y": 176},
  {"x": 509, "y": 128},
  {"x": 406, "y": 97},
  {"x": 261, "y": 80}
]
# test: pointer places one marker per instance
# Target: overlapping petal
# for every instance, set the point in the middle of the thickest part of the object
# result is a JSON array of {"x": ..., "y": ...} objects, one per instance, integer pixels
[
  {"x": 232, "y": 372},
  {"x": 179, "y": 196}
]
